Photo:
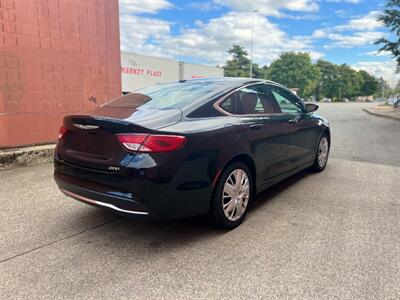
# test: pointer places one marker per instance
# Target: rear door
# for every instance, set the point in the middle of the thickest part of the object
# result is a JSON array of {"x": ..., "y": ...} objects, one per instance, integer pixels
[
  {"x": 266, "y": 129},
  {"x": 302, "y": 128}
]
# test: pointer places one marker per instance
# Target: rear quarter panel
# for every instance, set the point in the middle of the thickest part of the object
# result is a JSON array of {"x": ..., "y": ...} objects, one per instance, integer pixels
[{"x": 212, "y": 143}]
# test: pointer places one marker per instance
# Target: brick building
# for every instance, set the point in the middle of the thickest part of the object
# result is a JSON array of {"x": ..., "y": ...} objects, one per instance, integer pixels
[{"x": 57, "y": 57}]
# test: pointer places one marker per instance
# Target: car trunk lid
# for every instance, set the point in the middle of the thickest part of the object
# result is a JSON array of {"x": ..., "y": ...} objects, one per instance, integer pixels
[{"x": 91, "y": 139}]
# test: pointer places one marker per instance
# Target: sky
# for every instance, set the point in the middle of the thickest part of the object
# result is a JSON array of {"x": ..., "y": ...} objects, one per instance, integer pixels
[{"x": 340, "y": 31}]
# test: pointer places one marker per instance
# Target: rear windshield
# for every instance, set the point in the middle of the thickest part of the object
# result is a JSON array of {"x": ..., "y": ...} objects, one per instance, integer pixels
[{"x": 170, "y": 95}]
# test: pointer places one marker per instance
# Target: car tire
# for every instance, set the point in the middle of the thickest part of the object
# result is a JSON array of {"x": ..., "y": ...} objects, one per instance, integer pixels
[
  {"x": 231, "y": 196},
  {"x": 322, "y": 154}
]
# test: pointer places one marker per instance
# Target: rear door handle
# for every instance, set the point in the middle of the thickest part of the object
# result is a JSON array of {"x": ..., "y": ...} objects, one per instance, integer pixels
[
  {"x": 256, "y": 126},
  {"x": 293, "y": 121}
]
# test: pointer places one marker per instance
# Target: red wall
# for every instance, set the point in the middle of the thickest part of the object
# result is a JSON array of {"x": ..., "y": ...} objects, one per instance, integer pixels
[{"x": 56, "y": 56}]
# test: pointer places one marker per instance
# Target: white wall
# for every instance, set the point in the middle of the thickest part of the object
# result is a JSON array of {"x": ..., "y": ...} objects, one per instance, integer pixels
[
  {"x": 191, "y": 71},
  {"x": 140, "y": 71}
]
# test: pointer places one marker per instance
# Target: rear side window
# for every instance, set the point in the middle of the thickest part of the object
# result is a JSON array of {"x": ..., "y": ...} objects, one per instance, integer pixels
[
  {"x": 287, "y": 102},
  {"x": 251, "y": 100},
  {"x": 205, "y": 111},
  {"x": 228, "y": 104}
]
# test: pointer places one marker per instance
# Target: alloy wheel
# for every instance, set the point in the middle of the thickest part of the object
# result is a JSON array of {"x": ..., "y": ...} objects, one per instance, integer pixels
[
  {"x": 235, "y": 195},
  {"x": 323, "y": 151}
]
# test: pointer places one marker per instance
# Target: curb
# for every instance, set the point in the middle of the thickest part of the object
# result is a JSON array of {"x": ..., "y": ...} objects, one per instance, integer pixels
[
  {"x": 27, "y": 156},
  {"x": 371, "y": 112}
]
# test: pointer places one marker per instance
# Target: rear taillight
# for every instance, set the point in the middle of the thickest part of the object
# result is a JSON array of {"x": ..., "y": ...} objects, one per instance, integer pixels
[
  {"x": 151, "y": 142},
  {"x": 163, "y": 143},
  {"x": 132, "y": 141},
  {"x": 61, "y": 132}
]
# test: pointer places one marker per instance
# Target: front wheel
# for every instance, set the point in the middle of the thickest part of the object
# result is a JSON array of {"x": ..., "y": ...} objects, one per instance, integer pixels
[
  {"x": 232, "y": 196},
  {"x": 321, "y": 157}
]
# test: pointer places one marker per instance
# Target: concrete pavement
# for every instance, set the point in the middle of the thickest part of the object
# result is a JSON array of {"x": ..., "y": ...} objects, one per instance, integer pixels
[
  {"x": 388, "y": 112},
  {"x": 329, "y": 235}
]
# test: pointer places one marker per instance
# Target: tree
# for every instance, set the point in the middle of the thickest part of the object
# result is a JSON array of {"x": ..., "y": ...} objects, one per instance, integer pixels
[
  {"x": 265, "y": 72},
  {"x": 295, "y": 70},
  {"x": 391, "y": 19},
  {"x": 369, "y": 84},
  {"x": 257, "y": 71},
  {"x": 396, "y": 90},
  {"x": 350, "y": 82},
  {"x": 338, "y": 82},
  {"x": 239, "y": 65},
  {"x": 383, "y": 89},
  {"x": 329, "y": 81}
]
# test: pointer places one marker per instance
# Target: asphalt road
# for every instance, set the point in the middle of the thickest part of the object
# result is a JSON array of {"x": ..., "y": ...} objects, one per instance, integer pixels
[
  {"x": 359, "y": 136},
  {"x": 314, "y": 236}
]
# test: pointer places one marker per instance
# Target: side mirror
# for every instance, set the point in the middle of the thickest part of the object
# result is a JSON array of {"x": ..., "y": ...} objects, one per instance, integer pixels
[{"x": 310, "y": 107}]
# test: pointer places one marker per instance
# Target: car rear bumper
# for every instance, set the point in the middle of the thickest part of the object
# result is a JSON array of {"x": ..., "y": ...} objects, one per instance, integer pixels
[
  {"x": 130, "y": 193},
  {"x": 121, "y": 203}
]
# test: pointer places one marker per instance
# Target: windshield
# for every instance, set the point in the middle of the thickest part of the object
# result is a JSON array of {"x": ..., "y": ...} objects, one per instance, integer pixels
[{"x": 176, "y": 95}]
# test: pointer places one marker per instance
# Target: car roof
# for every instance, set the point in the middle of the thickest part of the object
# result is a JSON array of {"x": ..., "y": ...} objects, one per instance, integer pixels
[
  {"x": 232, "y": 82},
  {"x": 228, "y": 81}
]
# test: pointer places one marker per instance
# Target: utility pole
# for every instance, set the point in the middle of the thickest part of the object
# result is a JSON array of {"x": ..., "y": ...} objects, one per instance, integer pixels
[
  {"x": 251, "y": 45},
  {"x": 383, "y": 89}
]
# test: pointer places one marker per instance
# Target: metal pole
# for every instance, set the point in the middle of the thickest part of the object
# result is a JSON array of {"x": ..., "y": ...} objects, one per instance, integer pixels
[{"x": 251, "y": 45}]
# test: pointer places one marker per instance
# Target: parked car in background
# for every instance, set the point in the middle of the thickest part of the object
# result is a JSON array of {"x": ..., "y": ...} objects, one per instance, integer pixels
[
  {"x": 187, "y": 148},
  {"x": 393, "y": 100}
]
